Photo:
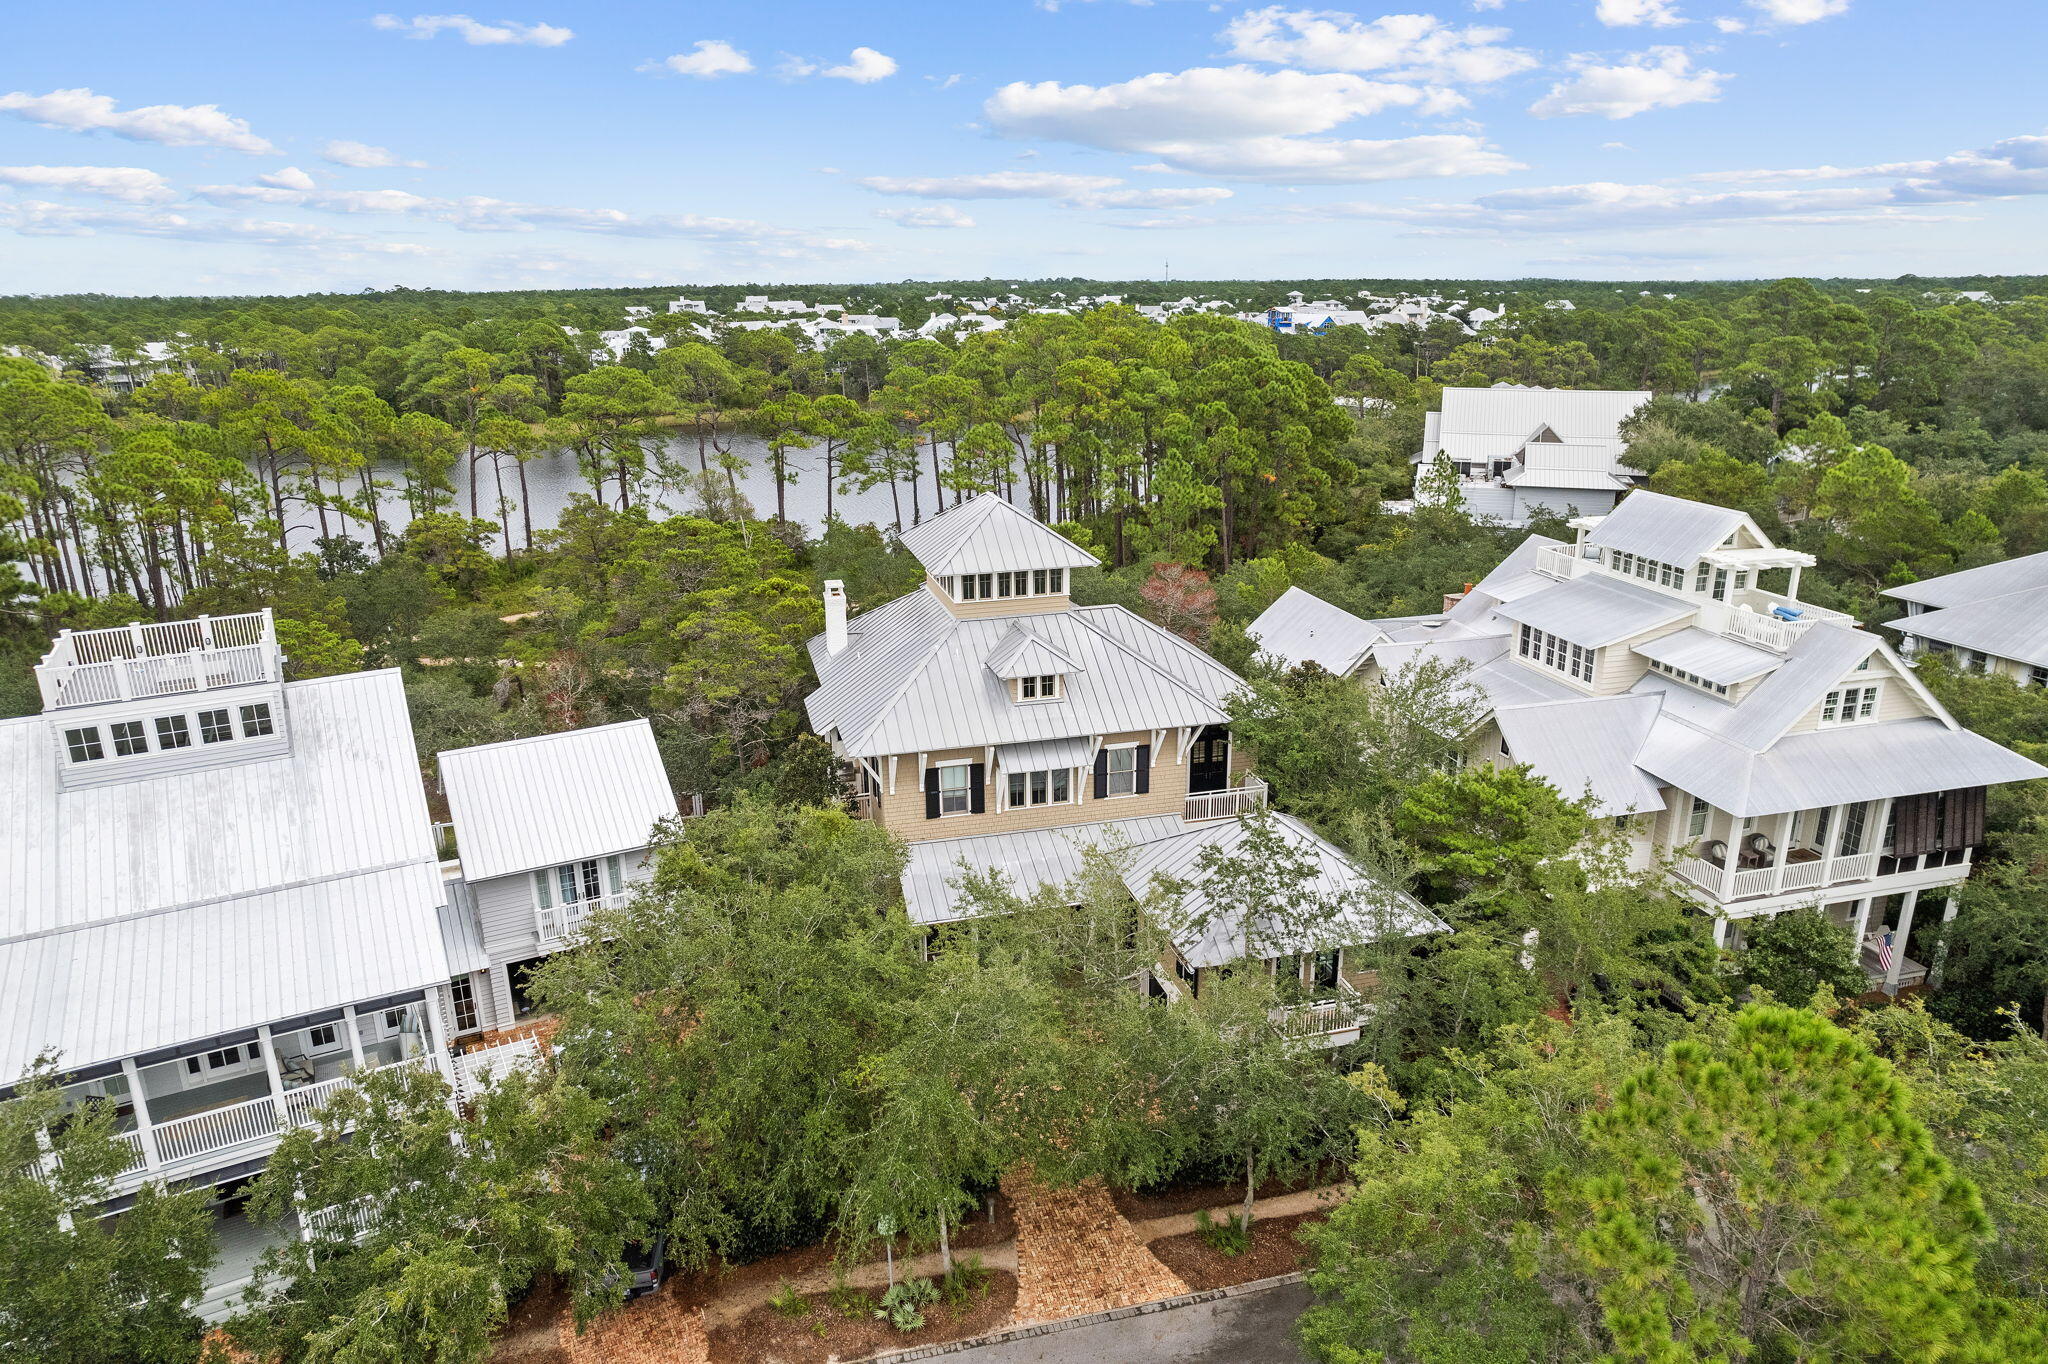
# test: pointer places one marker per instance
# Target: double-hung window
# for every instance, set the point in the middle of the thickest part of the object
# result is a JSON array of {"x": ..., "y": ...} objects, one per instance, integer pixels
[
  {"x": 1696, "y": 823},
  {"x": 130, "y": 738},
  {"x": 173, "y": 731},
  {"x": 214, "y": 727},
  {"x": 1052, "y": 787},
  {"x": 1122, "y": 771},
  {"x": 956, "y": 788},
  {"x": 1849, "y": 705}
]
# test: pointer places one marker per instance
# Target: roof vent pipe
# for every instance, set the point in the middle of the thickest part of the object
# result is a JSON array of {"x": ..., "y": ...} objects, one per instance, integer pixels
[{"x": 835, "y": 616}]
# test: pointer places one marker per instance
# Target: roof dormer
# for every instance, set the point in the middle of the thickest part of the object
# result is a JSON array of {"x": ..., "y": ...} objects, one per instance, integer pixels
[
  {"x": 987, "y": 558},
  {"x": 1031, "y": 669}
]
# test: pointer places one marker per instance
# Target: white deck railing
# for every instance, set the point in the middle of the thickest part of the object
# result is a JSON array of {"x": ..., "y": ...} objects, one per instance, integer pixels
[
  {"x": 1752, "y": 882},
  {"x": 1322, "y": 1017},
  {"x": 558, "y": 923},
  {"x": 215, "y": 1130},
  {"x": 477, "y": 1070},
  {"x": 130, "y": 662},
  {"x": 1559, "y": 561},
  {"x": 1226, "y": 804}
]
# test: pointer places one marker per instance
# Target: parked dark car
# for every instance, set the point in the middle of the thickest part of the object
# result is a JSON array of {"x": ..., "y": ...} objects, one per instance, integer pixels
[{"x": 646, "y": 1264}]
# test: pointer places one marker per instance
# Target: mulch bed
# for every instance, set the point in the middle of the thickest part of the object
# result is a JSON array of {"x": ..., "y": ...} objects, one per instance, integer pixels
[
  {"x": 531, "y": 1335},
  {"x": 1273, "y": 1251},
  {"x": 766, "y": 1336},
  {"x": 1170, "y": 1200}
]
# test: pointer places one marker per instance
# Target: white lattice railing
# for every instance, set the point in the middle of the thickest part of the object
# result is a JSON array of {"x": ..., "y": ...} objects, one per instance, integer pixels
[
  {"x": 1226, "y": 804},
  {"x": 477, "y": 1070}
]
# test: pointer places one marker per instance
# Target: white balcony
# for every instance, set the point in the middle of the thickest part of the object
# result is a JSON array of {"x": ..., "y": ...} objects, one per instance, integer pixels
[
  {"x": 1332, "y": 1021},
  {"x": 130, "y": 662},
  {"x": 557, "y": 924},
  {"x": 1809, "y": 875},
  {"x": 1560, "y": 561},
  {"x": 1226, "y": 804}
]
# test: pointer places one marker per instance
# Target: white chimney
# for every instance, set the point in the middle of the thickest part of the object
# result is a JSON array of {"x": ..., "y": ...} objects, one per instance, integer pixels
[{"x": 835, "y": 616}]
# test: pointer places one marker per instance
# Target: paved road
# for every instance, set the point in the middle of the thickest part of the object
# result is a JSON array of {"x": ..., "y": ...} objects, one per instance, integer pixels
[{"x": 1252, "y": 1329}]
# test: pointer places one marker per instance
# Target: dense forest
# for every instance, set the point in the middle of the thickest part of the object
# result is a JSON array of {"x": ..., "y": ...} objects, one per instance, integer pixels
[{"x": 1577, "y": 1130}]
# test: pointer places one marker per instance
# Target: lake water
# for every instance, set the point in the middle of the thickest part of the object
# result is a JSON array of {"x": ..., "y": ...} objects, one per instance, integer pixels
[{"x": 552, "y": 478}]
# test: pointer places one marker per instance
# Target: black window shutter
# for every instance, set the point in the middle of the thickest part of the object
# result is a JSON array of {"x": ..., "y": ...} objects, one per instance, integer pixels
[
  {"x": 1101, "y": 773},
  {"x": 977, "y": 776},
  {"x": 1144, "y": 768},
  {"x": 931, "y": 793}
]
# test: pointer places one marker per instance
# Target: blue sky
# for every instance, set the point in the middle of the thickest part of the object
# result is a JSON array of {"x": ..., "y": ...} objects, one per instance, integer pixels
[{"x": 214, "y": 148}]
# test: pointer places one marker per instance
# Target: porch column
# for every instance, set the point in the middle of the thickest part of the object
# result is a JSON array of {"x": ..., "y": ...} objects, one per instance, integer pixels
[
  {"x": 1786, "y": 822},
  {"x": 1792, "y": 587},
  {"x": 355, "y": 1038},
  {"x": 276, "y": 1076},
  {"x": 1834, "y": 841},
  {"x": 1905, "y": 931},
  {"x": 1720, "y": 931},
  {"x": 1732, "y": 842},
  {"x": 145, "y": 1130},
  {"x": 1948, "y": 914},
  {"x": 1862, "y": 927},
  {"x": 437, "y": 1033}
]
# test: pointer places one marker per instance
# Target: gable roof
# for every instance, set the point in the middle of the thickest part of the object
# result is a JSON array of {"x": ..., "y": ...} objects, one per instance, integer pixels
[
  {"x": 1303, "y": 628},
  {"x": 556, "y": 798},
  {"x": 985, "y": 534},
  {"x": 1021, "y": 653},
  {"x": 1974, "y": 585},
  {"x": 1671, "y": 529}
]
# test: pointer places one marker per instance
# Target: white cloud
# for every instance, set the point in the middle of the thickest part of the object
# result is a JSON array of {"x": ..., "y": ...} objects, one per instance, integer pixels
[
  {"x": 37, "y": 218},
  {"x": 707, "y": 58},
  {"x": 1080, "y": 191},
  {"x": 504, "y": 33},
  {"x": 1241, "y": 123},
  {"x": 1799, "y": 11},
  {"x": 994, "y": 185},
  {"x": 1730, "y": 24},
  {"x": 173, "y": 125},
  {"x": 291, "y": 177},
  {"x": 128, "y": 184},
  {"x": 363, "y": 156},
  {"x": 864, "y": 66},
  {"x": 1630, "y": 13},
  {"x": 926, "y": 215},
  {"x": 1616, "y": 147},
  {"x": 1401, "y": 46},
  {"x": 1661, "y": 78}
]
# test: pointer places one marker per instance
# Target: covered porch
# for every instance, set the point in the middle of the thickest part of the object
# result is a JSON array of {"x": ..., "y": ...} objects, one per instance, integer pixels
[{"x": 1797, "y": 852}]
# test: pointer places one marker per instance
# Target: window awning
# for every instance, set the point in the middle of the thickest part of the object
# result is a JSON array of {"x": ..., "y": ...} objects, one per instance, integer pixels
[{"x": 1043, "y": 755}]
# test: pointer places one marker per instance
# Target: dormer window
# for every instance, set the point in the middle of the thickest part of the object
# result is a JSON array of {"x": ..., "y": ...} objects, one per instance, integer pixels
[
  {"x": 130, "y": 738},
  {"x": 1039, "y": 687},
  {"x": 173, "y": 731},
  {"x": 1015, "y": 582},
  {"x": 1849, "y": 705},
  {"x": 84, "y": 744},
  {"x": 1542, "y": 647}
]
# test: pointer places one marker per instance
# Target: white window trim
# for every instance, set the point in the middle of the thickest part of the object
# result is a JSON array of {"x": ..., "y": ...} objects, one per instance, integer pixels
[
  {"x": 1110, "y": 774},
  {"x": 966, "y": 790},
  {"x": 1049, "y": 802},
  {"x": 1058, "y": 693},
  {"x": 1876, "y": 704}
]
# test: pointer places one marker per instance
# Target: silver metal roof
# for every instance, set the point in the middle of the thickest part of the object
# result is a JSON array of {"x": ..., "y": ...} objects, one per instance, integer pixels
[
  {"x": 146, "y": 913},
  {"x": 2023, "y": 574},
  {"x": 1670, "y": 529},
  {"x": 2011, "y": 626},
  {"x": 538, "y": 802},
  {"x": 1595, "y": 610},
  {"x": 1830, "y": 766},
  {"x": 1046, "y": 755},
  {"x": 462, "y": 933},
  {"x": 1706, "y": 654},
  {"x": 1587, "y": 748},
  {"x": 1366, "y": 909},
  {"x": 986, "y": 534},
  {"x": 122, "y": 987},
  {"x": 1021, "y": 653},
  {"x": 1303, "y": 628},
  {"x": 1817, "y": 660},
  {"x": 1158, "y": 845},
  {"x": 912, "y": 679},
  {"x": 1485, "y": 423}
]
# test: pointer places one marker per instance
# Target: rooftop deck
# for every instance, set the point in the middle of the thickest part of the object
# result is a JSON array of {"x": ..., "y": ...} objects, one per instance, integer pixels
[{"x": 166, "y": 658}]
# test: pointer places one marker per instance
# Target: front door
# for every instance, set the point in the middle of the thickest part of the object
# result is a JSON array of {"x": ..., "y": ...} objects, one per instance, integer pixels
[
  {"x": 1326, "y": 969},
  {"x": 1209, "y": 763}
]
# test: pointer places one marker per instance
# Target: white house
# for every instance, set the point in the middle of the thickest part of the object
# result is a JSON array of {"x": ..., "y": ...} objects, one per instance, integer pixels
[
  {"x": 993, "y": 723},
  {"x": 1519, "y": 450},
  {"x": 689, "y": 305},
  {"x": 549, "y": 831},
  {"x": 1777, "y": 754},
  {"x": 1991, "y": 619},
  {"x": 219, "y": 897}
]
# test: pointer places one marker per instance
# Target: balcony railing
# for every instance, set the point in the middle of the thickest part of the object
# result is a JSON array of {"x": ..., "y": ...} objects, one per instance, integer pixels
[
  {"x": 1814, "y": 873},
  {"x": 1560, "y": 561},
  {"x": 559, "y": 923},
  {"x": 137, "y": 661},
  {"x": 1343, "y": 1012},
  {"x": 477, "y": 1070},
  {"x": 1227, "y": 804}
]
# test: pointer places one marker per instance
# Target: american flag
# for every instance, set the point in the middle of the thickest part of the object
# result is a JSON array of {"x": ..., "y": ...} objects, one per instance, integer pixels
[{"x": 1884, "y": 952}]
